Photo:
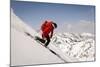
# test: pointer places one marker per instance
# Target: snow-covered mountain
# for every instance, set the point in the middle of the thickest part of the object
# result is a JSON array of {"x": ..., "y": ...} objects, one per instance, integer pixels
[
  {"x": 76, "y": 45},
  {"x": 72, "y": 47}
]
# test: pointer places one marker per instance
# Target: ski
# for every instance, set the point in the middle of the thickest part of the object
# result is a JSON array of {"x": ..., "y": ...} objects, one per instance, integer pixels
[{"x": 53, "y": 52}]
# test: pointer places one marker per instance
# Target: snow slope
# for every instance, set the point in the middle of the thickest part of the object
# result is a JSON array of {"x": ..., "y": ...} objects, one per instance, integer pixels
[{"x": 24, "y": 50}]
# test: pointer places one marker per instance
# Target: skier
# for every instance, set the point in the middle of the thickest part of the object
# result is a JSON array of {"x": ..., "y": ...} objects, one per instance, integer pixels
[{"x": 47, "y": 29}]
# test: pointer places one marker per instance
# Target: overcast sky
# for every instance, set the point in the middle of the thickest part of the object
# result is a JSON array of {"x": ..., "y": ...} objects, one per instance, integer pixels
[{"x": 70, "y": 18}]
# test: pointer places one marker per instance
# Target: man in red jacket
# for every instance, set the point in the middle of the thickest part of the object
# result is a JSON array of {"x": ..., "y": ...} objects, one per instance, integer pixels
[{"x": 47, "y": 31}]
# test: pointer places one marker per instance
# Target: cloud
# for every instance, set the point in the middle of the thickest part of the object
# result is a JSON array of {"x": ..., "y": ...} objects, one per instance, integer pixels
[{"x": 79, "y": 27}]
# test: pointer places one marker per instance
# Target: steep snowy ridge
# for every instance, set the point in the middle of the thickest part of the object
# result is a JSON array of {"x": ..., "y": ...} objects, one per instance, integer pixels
[
  {"x": 19, "y": 25},
  {"x": 76, "y": 45},
  {"x": 25, "y": 50}
]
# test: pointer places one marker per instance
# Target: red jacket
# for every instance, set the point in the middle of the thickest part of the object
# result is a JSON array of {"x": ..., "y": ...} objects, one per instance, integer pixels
[{"x": 47, "y": 28}]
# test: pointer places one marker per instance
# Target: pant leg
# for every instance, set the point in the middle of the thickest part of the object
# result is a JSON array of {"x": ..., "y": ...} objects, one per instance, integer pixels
[
  {"x": 48, "y": 40},
  {"x": 42, "y": 36}
]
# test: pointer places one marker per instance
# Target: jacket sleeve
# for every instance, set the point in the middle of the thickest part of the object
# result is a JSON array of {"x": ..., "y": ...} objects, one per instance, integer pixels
[{"x": 43, "y": 25}]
